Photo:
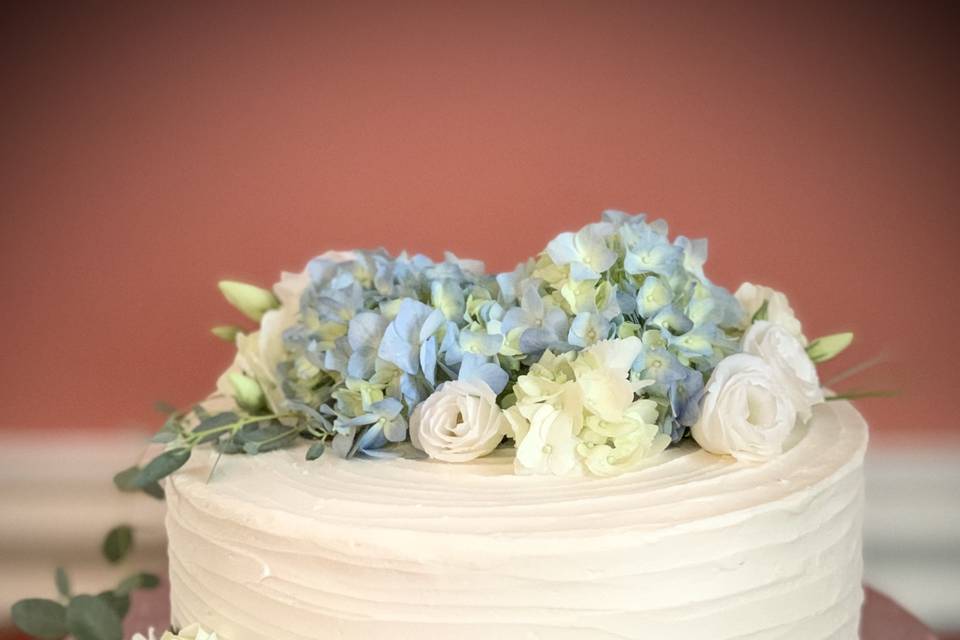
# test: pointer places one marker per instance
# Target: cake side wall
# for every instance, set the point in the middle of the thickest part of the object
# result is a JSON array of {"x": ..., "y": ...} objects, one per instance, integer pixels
[{"x": 784, "y": 568}]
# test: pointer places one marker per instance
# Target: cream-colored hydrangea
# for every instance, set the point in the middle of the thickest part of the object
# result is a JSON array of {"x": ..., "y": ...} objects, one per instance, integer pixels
[{"x": 578, "y": 413}]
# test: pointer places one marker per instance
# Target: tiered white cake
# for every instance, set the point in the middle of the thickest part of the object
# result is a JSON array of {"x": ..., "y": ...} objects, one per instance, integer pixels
[{"x": 694, "y": 546}]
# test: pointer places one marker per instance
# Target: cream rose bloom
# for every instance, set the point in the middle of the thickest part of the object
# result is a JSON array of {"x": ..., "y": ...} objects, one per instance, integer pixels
[
  {"x": 458, "y": 422},
  {"x": 260, "y": 352},
  {"x": 790, "y": 362},
  {"x": 752, "y": 296},
  {"x": 746, "y": 413}
]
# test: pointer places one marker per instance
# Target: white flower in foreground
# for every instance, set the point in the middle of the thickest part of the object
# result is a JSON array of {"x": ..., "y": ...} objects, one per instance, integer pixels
[
  {"x": 579, "y": 413},
  {"x": 747, "y": 413},
  {"x": 260, "y": 352},
  {"x": 458, "y": 422},
  {"x": 791, "y": 364},
  {"x": 192, "y": 632},
  {"x": 752, "y": 296},
  {"x": 549, "y": 445}
]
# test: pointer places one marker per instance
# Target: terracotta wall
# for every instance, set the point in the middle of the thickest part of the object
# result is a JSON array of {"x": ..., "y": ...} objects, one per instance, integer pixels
[{"x": 148, "y": 149}]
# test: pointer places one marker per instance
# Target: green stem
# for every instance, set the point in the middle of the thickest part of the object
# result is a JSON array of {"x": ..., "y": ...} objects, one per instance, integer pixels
[
  {"x": 856, "y": 395},
  {"x": 233, "y": 427}
]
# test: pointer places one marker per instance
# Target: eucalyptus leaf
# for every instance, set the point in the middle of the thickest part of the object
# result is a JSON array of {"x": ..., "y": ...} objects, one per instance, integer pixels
[
  {"x": 162, "y": 466},
  {"x": 164, "y": 436},
  {"x": 118, "y": 543},
  {"x": 154, "y": 490},
  {"x": 62, "y": 582},
  {"x": 126, "y": 480},
  {"x": 119, "y": 602},
  {"x": 229, "y": 447},
  {"x": 828, "y": 347},
  {"x": 316, "y": 450},
  {"x": 164, "y": 407},
  {"x": 40, "y": 618},
  {"x": 217, "y": 420},
  {"x": 137, "y": 581},
  {"x": 92, "y": 618}
]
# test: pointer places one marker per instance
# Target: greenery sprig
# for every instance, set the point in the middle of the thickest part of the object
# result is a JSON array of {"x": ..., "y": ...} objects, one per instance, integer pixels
[
  {"x": 230, "y": 432},
  {"x": 85, "y": 616}
]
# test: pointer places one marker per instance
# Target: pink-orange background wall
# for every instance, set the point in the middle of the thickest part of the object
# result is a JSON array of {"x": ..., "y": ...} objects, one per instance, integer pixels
[{"x": 149, "y": 149}]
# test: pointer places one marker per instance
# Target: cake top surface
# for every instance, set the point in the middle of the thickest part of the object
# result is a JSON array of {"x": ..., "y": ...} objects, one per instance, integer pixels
[{"x": 684, "y": 485}]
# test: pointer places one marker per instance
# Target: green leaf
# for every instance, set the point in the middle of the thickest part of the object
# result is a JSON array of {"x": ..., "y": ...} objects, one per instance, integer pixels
[
  {"x": 126, "y": 480},
  {"x": 62, "y": 582},
  {"x": 119, "y": 602},
  {"x": 828, "y": 347},
  {"x": 761, "y": 313},
  {"x": 137, "y": 581},
  {"x": 315, "y": 451},
  {"x": 92, "y": 618},
  {"x": 118, "y": 543},
  {"x": 154, "y": 490},
  {"x": 162, "y": 466},
  {"x": 221, "y": 419},
  {"x": 164, "y": 407},
  {"x": 40, "y": 618},
  {"x": 226, "y": 332}
]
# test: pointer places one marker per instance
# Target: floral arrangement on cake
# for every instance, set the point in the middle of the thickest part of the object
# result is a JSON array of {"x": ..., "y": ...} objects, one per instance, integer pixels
[{"x": 589, "y": 359}]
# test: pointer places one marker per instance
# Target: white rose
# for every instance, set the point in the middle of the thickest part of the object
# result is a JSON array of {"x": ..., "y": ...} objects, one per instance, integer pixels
[
  {"x": 751, "y": 297},
  {"x": 260, "y": 352},
  {"x": 790, "y": 362},
  {"x": 746, "y": 411},
  {"x": 458, "y": 422}
]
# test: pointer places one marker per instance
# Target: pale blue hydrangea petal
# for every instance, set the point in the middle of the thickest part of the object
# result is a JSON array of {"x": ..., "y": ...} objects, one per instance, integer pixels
[
  {"x": 431, "y": 324},
  {"x": 556, "y": 321},
  {"x": 359, "y": 421},
  {"x": 395, "y": 349},
  {"x": 366, "y": 330},
  {"x": 413, "y": 389},
  {"x": 696, "y": 343},
  {"x": 475, "y": 367},
  {"x": 671, "y": 319},
  {"x": 450, "y": 345},
  {"x": 395, "y": 430},
  {"x": 562, "y": 249},
  {"x": 654, "y": 295},
  {"x": 362, "y": 363},
  {"x": 371, "y": 439},
  {"x": 447, "y": 296},
  {"x": 480, "y": 343},
  {"x": 660, "y": 366},
  {"x": 428, "y": 360},
  {"x": 685, "y": 395},
  {"x": 587, "y": 329},
  {"x": 336, "y": 359}
]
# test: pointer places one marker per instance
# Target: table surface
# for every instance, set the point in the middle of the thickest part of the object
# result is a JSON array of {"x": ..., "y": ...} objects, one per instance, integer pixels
[{"x": 883, "y": 619}]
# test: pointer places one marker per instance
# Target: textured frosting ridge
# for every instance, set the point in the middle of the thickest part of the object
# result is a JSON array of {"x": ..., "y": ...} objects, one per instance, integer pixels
[{"x": 695, "y": 546}]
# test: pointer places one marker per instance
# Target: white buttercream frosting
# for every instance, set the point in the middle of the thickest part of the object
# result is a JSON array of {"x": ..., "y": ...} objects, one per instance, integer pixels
[{"x": 696, "y": 546}]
